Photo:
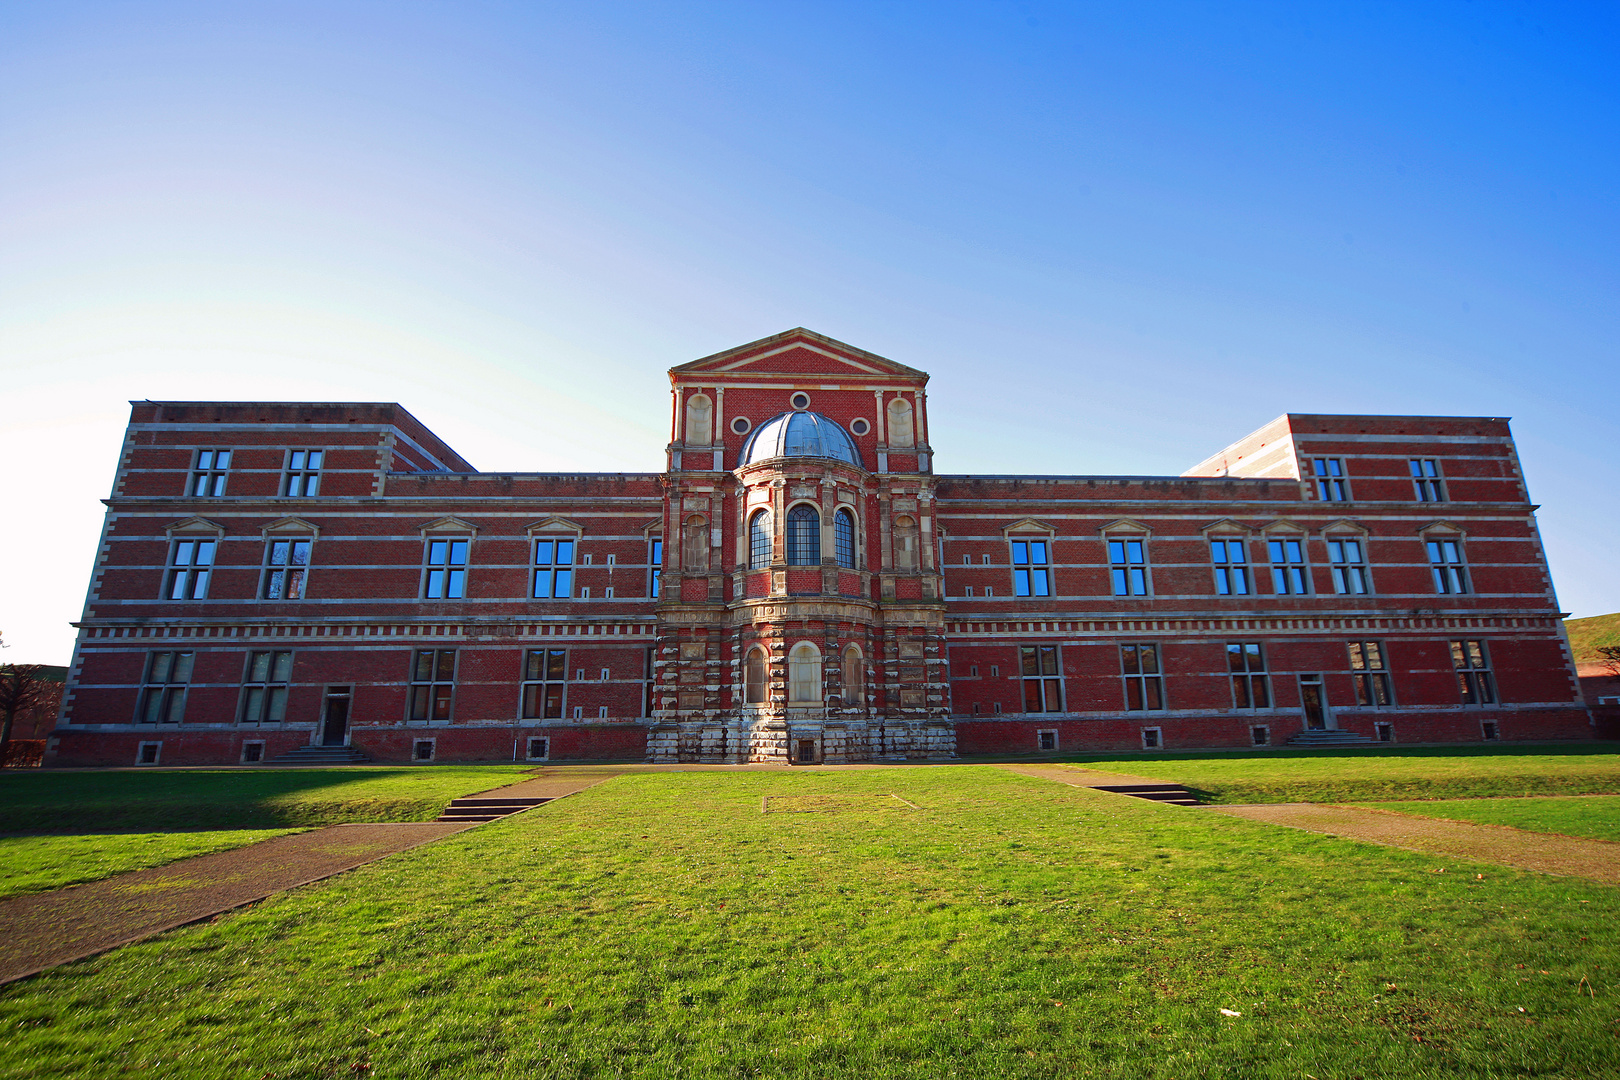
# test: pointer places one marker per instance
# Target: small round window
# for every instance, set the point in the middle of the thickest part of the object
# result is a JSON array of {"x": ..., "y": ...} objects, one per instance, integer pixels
[
  {"x": 800, "y": 400},
  {"x": 740, "y": 425},
  {"x": 859, "y": 427}
]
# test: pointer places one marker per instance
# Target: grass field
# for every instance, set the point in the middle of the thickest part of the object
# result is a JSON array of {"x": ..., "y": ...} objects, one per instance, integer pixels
[
  {"x": 1586, "y": 636},
  {"x": 1595, "y": 817},
  {"x": 1379, "y": 774},
  {"x": 37, "y": 863},
  {"x": 665, "y": 925},
  {"x": 235, "y": 798}
]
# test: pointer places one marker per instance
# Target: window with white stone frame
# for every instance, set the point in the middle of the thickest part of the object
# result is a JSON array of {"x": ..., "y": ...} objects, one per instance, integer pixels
[
  {"x": 444, "y": 577},
  {"x": 1246, "y": 664},
  {"x": 545, "y": 683},
  {"x": 804, "y": 674},
  {"x": 1331, "y": 485},
  {"x": 1427, "y": 483},
  {"x": 1144, "y": 681},
  {"x": 1031, "y": 567},
  {"x": 1230, "y": 557},
  {"x": 655, "y": 564},
  {"x": 1128, "y": 565},
  {"x": 1446, "y": 565},
  {"x": 553, "y": 569},
  {"x": 286, "y": 568},
  {"x": 803, "y": 536},
  {"x": 191, "y": 563},
  {"x": 208, "y": 474},
  {"x": 844, "y": 538},
  {"x": 303, "y": 475},
  {"x": 433, "y": 684},
  {"x": 1473, "y": 666},
  {"x": 163, "y": 688},
  {"x": 1042, "y": 678},
  {"x": 264, "y": 689},
  {"x": 1369, "y": 669},
  {"x": 760, "y": 547},
  {"x": 1348, "y": 563},
  {"x": 1290, "y": 575}
]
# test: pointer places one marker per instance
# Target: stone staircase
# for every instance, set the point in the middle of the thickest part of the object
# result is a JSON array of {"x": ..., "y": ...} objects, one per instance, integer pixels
[
  {"x": 1174, "y": 794},
  {"x": 473, "y": 811},
  {"x": 1329, "y": 738},
  {"x": 321, "y": 755}
]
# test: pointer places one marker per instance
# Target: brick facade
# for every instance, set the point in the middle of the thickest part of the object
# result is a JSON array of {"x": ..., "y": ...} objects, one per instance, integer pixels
[{"x": 1374, "y": 574}]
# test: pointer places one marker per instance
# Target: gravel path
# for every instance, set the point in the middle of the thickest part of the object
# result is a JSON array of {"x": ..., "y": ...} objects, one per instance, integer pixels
[{"x": 1597, "y": 860}]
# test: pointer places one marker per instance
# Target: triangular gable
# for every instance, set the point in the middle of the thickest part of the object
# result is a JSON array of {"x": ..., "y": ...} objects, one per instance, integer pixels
[
  {"x": 1126, "y": 525},
  {"x": 1283, "y": 525},
  {"x": 1227, "y": 525},
  {"x": 195, "y": 526},
  {"x": 554, "y": 524},
  {"x": 450, "y": 524},
  {"x": 1344, "y": 525},
  {"x": 1443, "y": 528},
  {"x": 797, "y": 352},
  {"x": 291, "y": 525},
  {"x": 1027, "y": 526}
]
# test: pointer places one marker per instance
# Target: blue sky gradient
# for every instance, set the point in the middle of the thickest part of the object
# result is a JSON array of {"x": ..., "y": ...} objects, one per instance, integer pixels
[{"x": 1118, "y": 235}]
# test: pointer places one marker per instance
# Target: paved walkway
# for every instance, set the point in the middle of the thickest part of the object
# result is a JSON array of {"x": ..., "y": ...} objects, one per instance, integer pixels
[
  {"x": 42, "y": 930},
  {"x": 1597, "y": 860}
]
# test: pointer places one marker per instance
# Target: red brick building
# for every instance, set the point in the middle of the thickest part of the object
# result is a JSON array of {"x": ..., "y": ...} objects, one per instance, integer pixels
[{"x": 799, "y": 584}]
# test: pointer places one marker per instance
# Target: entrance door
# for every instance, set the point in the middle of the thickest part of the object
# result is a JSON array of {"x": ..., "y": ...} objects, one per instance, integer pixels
[
  {"x": 807, "y": 751},
  {"x": 335, "y": 716},
  {"x": 1312, "y": 701}
]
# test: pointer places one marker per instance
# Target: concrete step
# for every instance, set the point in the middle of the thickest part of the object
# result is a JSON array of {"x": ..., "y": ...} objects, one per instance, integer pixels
[
  {"x": 477, "y": 810},
  {"x": 1171, "y": 794},
  {"x": 1329, "y": 738},
  {"x": 321, "y": 755}
]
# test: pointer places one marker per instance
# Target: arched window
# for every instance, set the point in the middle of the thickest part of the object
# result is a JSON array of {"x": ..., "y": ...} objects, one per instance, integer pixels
[
  {"x": 699, "y": 420},
  {"x": 844, "y": 538},
  {"x": 759, "y": 540},
  {"x": 695, "y": 545},
  {"x": 854, "y": 677},
  {"x": 803, "y": 536},
  {"x": 804, "y": 673},
  {"x": 900, "y": 432},
  {"x": 905, "y": 543},
  {"x": 754, "y": 677}
]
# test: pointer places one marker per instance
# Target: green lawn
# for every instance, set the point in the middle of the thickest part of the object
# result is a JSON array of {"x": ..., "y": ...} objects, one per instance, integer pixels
[
  {"x": 1375, "y": 774},
  {"x": 158, "y": 800},
  {"x": 662, "y": 925},
  {"x": 36, "y": 863},
  {"x": 1596, "y": 817}
]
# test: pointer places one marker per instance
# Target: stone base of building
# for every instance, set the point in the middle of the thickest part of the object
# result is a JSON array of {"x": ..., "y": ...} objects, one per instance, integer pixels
[{"x": 788, "y": 740}]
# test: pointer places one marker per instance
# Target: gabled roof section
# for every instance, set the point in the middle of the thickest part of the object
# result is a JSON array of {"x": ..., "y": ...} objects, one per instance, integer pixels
[{"x": 797, "y": 352}]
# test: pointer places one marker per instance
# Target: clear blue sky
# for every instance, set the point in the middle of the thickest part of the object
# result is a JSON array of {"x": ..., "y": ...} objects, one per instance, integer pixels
[{"x": 1119, "y": 235}]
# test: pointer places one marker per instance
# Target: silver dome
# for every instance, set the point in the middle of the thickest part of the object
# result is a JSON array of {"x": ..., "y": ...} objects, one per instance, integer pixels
[{"x": 799, "y": 434}]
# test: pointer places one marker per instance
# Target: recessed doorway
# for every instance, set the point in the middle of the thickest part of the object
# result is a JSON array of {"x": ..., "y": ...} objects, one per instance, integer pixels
[{"x": 335, "y": 716}]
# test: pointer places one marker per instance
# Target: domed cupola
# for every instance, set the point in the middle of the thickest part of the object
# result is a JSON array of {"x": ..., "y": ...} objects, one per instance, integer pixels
[{"x": 799, "y": 434}]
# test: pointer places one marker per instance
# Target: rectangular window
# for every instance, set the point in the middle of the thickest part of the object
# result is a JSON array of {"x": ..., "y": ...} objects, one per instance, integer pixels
[
  {"x": 1289, "y": 576},
  {"x": 264, "y": 690},
  {"x": 190, "y": 563},
  {"x": 1032, "y": 575},
  {"x": 208, "y": 474},
  {"x": 1043, "y": 688},
  {"x": 967, "y": 590},
  {"x": 1144, "y": 683},
  {"x": 1247, "y": 665},
  {"x": 539, "y": 749},
  {"x": 303, "y": 473},
  {"x": 1047, "y": 739},
  {"x": 1385, "y": 732},
  {"x": 1474, "y": 683},
  {"x": 1128, "y": 561},
  {"x": 1349, "y": 566},
  {"x": 545, "y": 675},
  {"x": 446, "y": 574},
  {"x": 655, "y": 563},
  {"x": 553, "y": 568},
  {"x": 1370, "y": 671},
  {"x": 1260, "y": 735},
  {"x": 1231, "y": 561},
  {"x": 286, "y": 565},
  {"x": 1446, "y": 563},
  {"x": 1426, "y": 482},
  {"x": 163, "y": 691},
  {"x": 1152, "y": 738},
  {"x": 433, "y": 681},
  {"x": 1330, "y": 483}
]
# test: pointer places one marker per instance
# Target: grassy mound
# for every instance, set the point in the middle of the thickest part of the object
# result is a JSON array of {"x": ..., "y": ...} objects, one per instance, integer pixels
[{"x": 1586, "y": 636}]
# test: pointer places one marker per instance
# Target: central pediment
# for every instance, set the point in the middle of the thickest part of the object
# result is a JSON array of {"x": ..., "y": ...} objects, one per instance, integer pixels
[{"x": 799, "y": 353}]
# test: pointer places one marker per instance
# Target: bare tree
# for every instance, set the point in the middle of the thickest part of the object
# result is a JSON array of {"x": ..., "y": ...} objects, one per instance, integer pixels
[
  {"x": 21, "y": 689},
  {"x": 1609, "y": 657}
]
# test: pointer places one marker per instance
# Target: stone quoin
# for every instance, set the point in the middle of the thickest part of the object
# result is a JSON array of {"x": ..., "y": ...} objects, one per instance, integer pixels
[{"x": 799, "y": 585}]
